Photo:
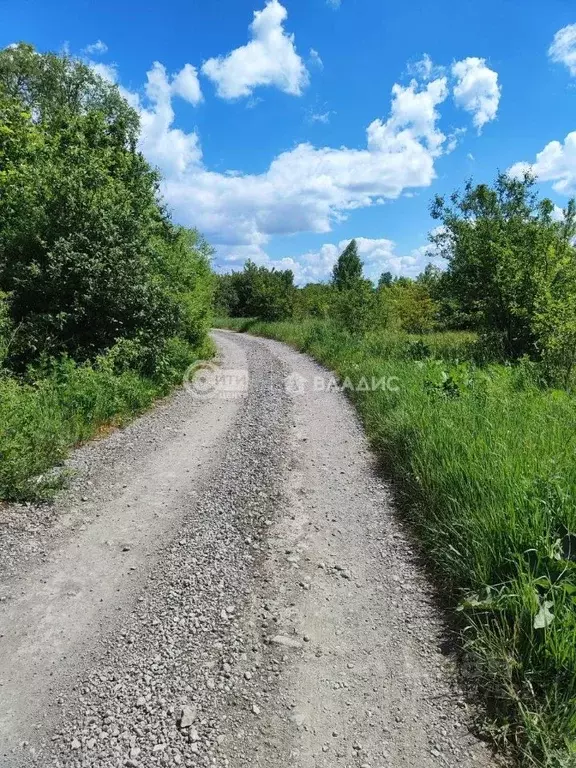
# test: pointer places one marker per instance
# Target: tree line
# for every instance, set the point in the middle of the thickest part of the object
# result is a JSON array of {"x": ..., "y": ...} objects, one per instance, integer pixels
[
  {"x": 510, "y": 277},
  {"x": 89, "y": 259},
  {"x": 104, "y": 301}
]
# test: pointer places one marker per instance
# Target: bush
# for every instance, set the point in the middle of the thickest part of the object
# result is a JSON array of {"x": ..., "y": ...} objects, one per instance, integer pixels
[
  {"x": 103, "y": 301},
  {"x": 87, "y": 255},
  {"x": 512, "y": 268},
  {"x": 256, "y": 292}
]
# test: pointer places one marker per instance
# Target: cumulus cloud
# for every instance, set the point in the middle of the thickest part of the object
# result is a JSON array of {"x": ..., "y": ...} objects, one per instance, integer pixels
[
  {"x": 270, "y": 58},
  {"x": 186, "y": 85},
  {"x": 563, "y": 48},
  {"x": 555, "y": 163},
  {"x": 476, "y": 90},
  {"x": 106, "y": 71},
  {"x": 425, "y": 69},
  {"x": 169, "y": 148},
  {"x": 95, "y": 49},
  {"x": 307, "y": 188},
  {"x": 378, "y": 255},
  {"x": 304, "y": 189}
]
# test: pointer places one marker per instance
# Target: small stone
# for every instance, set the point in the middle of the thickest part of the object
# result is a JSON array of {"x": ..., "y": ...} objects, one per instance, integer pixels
[
  {"x": 286, "y": 642},
  {"x": 256, "y": 709},
  {"x": 187, "y": 716},
  {"x": 75, "y": 744}
]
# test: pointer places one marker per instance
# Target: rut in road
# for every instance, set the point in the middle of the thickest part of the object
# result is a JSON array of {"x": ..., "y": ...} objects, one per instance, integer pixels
[{"x": 237, "y": 562}]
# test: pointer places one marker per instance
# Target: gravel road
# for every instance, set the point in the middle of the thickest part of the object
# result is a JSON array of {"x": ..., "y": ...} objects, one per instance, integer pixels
[{"x": 225, "y": 584}]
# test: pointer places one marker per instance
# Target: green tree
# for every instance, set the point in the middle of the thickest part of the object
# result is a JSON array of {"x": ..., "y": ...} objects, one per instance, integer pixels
[
  {"x": 87, "y": 254},
  {"x": 257, "y": 291},
  {"x": 509, "y": 262},
  {"x": 354, "y": 307},
  {"x": 314, "y": 300},
  {"x": 347, "y": 271},
  {"x": 385, "y": 280}
]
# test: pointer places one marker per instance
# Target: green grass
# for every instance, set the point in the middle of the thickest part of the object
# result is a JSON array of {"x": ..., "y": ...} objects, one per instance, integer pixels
[
  {"x": 41, "y": 421},
  {"x": 487, "y": 460}
]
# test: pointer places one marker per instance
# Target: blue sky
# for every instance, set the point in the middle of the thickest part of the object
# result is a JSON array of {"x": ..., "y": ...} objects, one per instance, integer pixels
[{"x": 283, "y": 128}]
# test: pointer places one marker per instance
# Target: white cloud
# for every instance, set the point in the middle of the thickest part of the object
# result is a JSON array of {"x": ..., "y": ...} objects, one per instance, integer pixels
[
  {"x": 476, "y": 90},
  {"x": 563, "y": 48},
  {"x": 334, "y": 3},
  {"x": 320, "y": 117},
  {"x": 555, "y": 163},
  {"x": 315, "y": 59},
  {"x": 378, "y": 255},
  {"x": 97, "y": 48},
  {"x": 186, "y": 85},
  {"x": 270, "y": 58},
  {"x": 106, "y": 71},
  {"x": 305, "y": 188},
  {"x": 425, "y": 69},
  {"x": 169, "y": 148}
]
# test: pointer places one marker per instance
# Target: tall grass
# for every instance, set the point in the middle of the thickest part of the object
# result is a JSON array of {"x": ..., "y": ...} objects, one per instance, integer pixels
[
  {"x": 488, "y": 461},
  {"x": 70, "y": 403}
]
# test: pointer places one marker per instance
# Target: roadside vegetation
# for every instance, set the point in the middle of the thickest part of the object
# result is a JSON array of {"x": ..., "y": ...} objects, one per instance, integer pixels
[
  {"x": 103, "y": 300},
  {"x": 480, "y": 433}
]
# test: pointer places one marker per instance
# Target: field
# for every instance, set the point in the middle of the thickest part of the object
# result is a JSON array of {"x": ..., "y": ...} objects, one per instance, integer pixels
[{"x": 485, "y": 460}]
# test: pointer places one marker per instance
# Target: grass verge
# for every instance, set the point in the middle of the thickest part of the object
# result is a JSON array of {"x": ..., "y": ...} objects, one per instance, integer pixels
[
  {"x": 487, "y": 460},
  {"x": 69, "y": 404}
]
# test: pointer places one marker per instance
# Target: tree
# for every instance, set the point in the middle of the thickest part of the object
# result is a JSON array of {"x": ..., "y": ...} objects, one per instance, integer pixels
[
  {"x": 410, "y": 306},
  {"x": 385, "y": 280},
  {"x": 347, "y": 271},
  {"x": 431, "y": 279},
  {"x": 87, "y": 254},
  {"x": 257, "y": 291},
  {"x": 314, "y": 300},
  {"x": 509, "y": 262}
]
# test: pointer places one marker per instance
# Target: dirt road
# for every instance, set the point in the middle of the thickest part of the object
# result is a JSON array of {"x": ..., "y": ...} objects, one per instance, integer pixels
[{"x": 225, "y": 584}]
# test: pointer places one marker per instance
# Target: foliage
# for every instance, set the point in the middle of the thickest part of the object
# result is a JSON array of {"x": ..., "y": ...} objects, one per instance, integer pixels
[
  {"x": 348, "y": 269},
  {"x": 256, "y": 292},
  {"x": 84, "y": 243},
  {"x": 385, "y": 280},
  {"x": 103, "y": 301},
  {"x": 352, "y": 308},
  {"x": 314, "y": 300},
  {"x": 512, "y": 266},
  {"x": 407, "y": 305}
]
